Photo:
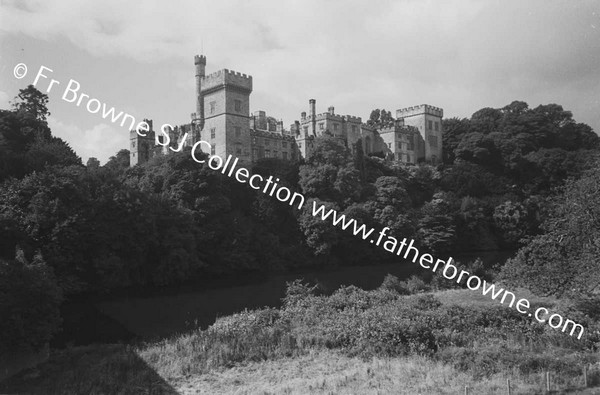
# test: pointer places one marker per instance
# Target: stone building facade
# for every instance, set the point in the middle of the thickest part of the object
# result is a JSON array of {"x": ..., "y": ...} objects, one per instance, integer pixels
[
  {"x": 428, "y": 121},
  {"x": 223, "y": 119},
  {"x": 347, "y": 128}
]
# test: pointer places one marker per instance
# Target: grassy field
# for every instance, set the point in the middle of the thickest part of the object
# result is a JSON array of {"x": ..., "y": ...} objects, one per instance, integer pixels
[{"x": 352, "y": 342}]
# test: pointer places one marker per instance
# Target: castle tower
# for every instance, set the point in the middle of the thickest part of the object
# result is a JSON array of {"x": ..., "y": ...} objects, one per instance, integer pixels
[
  {"x": 141, "y": 147},
  {"x": 225, "y": 97},
  {"x": 200, "y": 63},
  {"x": 428, "y": 119},
  {"x": 313, "y": 117}
]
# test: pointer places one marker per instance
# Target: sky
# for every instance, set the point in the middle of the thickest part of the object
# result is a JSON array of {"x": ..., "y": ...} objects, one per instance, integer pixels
[{"x": 460, "y": 55}]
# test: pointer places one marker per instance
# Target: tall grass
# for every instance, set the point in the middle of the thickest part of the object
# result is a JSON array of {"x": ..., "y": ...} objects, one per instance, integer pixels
[{"x": 432, "y": 343}]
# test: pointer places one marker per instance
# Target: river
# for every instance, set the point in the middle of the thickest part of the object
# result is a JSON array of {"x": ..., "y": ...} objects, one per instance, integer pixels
[{"x": 154, "y": 317}]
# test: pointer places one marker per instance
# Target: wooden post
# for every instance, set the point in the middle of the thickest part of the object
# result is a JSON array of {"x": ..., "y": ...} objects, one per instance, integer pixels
[
  {"x": 548, "y": 382},
  {"x": 585, "y": 383},
  {"x": 508, "y": 386},
  {"x": 466, "y": 390}
]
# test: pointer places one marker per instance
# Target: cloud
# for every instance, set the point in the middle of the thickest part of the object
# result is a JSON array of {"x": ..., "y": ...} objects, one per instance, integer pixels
[
  {"x": 101, "y": 141},
  {"x": 357, "y": 55},
  {"x": 4, "y": 100}
]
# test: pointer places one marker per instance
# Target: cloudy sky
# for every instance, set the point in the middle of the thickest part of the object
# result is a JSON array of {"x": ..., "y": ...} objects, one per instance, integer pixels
[{"x": 356, "y": 55}]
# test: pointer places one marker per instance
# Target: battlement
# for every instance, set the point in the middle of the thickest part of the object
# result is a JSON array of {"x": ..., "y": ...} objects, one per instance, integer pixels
[
  {"x": 418, "y": 110},
  {"x": 200, "y": 59},
  {"x": 367, "y": 128},
  {"x": 328, "y": 115},
  {"x": 353, "y": 119},
  {"x": 227, "y": 78}
]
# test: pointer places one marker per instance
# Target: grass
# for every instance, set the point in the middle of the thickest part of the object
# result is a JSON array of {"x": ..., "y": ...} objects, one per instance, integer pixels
[{"x": 353, "y": 341}]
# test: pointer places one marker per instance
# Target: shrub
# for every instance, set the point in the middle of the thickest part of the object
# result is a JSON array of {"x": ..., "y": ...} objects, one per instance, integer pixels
[
  {"x": 297, "y": 291},
  {"x": 393, "y": 283},
  {"x": 415, "y": 284}
]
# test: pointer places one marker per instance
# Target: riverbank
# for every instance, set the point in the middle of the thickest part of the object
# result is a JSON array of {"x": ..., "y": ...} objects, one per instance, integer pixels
[
  {"x": 154, "y": 314},
  {"x": 427, "y": 343}
]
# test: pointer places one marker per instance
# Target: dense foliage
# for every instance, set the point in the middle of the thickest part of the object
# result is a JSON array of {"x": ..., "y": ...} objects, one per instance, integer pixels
[
  {"x": 29, "y": 303},
  {"x": 484, "y": 339},
  {"x": 564, "y": 258},
  {"x": 173, "y": 220}
]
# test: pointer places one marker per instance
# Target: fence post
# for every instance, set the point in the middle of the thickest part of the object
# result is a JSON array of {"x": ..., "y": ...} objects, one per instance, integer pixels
[
  {"x": 548, "y": 382},
  {"x": 508, "y": 386},
  {"x": 585, "y": 383}
]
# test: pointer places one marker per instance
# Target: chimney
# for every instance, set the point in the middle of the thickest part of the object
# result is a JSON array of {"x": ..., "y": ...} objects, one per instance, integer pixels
[
  {"x": 313, "y": 116},
  {"x": 331, "y": 110}
]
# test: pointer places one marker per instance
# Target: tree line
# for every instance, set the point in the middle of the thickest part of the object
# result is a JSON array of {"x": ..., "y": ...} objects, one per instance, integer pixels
[{"x": 93, "y": 229}]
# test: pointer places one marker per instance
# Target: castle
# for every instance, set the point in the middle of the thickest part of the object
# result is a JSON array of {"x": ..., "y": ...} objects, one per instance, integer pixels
[{"x": 223, "y": 119}]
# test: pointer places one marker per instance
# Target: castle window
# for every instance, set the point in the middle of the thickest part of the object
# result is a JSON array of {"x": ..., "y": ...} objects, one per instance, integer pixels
[
  {"x": 284, "y": 144},
  {"x": 238, "y": 149},
  {"x": 353, "y": 128},
  {"x": 306, "y": 129},
  {"x": 433, "y": 141},
  {"x": 390, "y": 145},
  {"x": 321, "y": 125},
  {"x": 133, "y": 144},
  {"x": 437, "y": 126},
  {"x": 238, "y": 105},
  {"x": 411, "y": 142},
  {"x": 267, "y": 153},
  {"x": 213, "y": 104},
  {"x": 238, "y": 131},
  {"x": 284, "y": 155},
  {"x": 299, "y": 145},
  {"x": 255, "y": 152},
  {"x": 212, "y": 133},
  {"x": 335, "y": 127},
  {"x": 213, "y": 149},
  {"x": 430, "y": 125},
  {"x": 399, "y": 145}
]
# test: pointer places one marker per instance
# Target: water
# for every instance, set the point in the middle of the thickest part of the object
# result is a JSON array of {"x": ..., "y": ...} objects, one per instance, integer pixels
[{"x": 154, "y": 317}]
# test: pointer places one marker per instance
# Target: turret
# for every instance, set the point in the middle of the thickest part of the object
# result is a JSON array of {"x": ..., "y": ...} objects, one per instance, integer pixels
[
  {"x": 313, "y": 116},
  {"x": 200, "y": 63}
]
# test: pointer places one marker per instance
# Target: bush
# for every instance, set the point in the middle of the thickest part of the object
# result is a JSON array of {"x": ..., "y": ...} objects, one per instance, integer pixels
[
  {"x": 393, "y": 283},
  {"x": 29, "y": 304},
  {"x": 415, "y": 284}
]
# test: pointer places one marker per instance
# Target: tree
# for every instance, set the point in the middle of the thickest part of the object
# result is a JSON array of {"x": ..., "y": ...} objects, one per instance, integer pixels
[
  {"x": 436, "y": 230},
  {"x": 33, "y": 103},
  {"x": 29, "y": 303},
  {"x": 564, "y": 259},
  {"x": 454, "y": 130},
  {"x": 92, "y": 163},
  {"x": 120, "y": 161}
]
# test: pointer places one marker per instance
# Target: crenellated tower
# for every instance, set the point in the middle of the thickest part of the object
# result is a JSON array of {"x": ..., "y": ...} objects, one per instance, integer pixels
[
  {"x": 141, "y": 148},
  {"x": 428, "y": 120},
  {"x": 225, "y": 109}
]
